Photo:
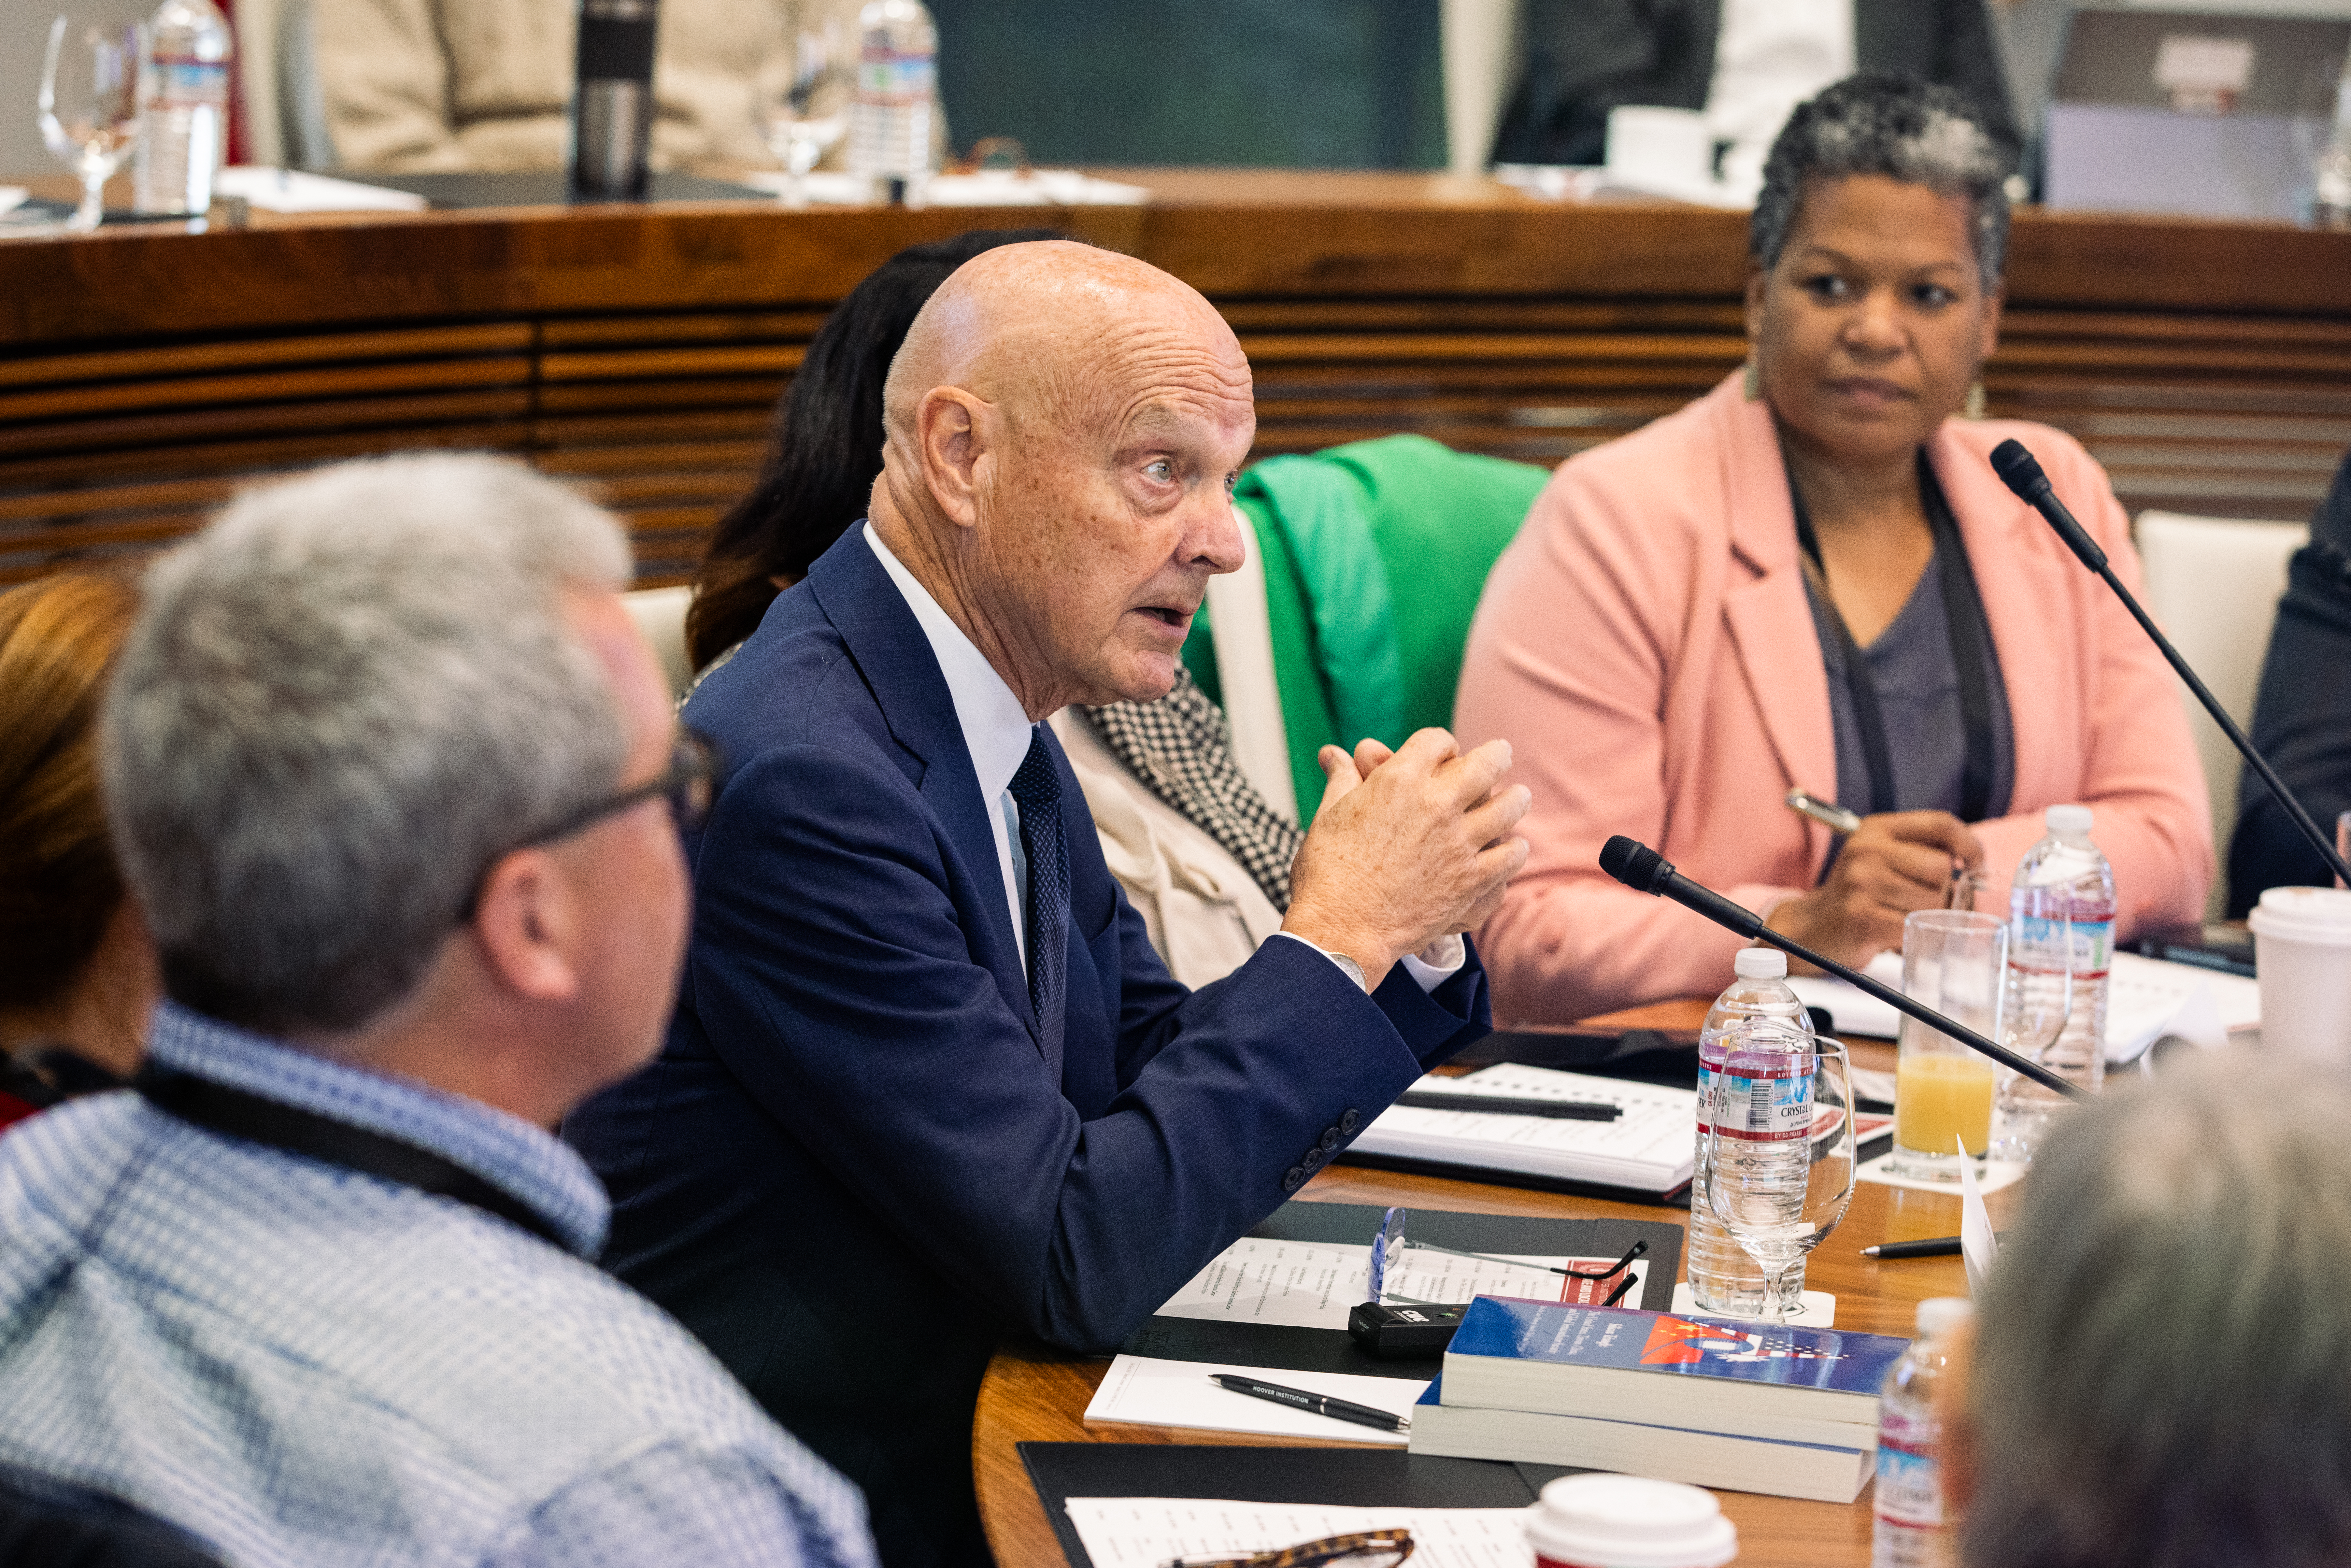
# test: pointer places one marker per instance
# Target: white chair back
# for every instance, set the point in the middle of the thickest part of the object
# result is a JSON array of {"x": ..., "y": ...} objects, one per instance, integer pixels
[
  {"x": 2213, "y": 585},
  {"x": 660, "y": 614},
  {"x": 1252, "y": 698}
]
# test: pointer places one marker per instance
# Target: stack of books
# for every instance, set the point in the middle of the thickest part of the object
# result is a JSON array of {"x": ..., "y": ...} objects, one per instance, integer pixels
[{"x": 1746, "y": 1406}]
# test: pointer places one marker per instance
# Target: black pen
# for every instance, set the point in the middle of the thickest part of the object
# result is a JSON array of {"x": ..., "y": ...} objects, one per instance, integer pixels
[
  {"x": 1511, "y": 1105},
  {"x": 1932, "y": 1246},
  {"x": 1317, "y": 1403}
]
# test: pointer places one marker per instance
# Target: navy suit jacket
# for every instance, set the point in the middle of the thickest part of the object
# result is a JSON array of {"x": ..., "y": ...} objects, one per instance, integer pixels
[{"x": 855, "y": 1165}]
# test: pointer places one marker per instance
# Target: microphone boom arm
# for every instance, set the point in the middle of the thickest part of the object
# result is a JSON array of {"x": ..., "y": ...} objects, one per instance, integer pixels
[
  {"x": 1641, "y": 868},
  {"x": 2022, "y": 473},
  {"x": 2237, "y": 738}
]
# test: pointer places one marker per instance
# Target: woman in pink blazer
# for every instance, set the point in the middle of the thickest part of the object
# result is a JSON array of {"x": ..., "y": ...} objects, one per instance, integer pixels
[{"x": 1812, "y": 577}]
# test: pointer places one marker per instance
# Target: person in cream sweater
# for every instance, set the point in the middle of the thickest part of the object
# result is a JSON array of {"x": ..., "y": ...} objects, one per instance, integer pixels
[{"x": 442, "y": 86}]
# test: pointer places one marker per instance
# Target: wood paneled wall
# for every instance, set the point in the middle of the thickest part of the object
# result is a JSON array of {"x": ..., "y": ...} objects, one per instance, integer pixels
[{"x": 144, "y": 376}]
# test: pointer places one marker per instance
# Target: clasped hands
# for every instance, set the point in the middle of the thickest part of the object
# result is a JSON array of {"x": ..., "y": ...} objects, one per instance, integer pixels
[{"x": 1407, "y": 847}]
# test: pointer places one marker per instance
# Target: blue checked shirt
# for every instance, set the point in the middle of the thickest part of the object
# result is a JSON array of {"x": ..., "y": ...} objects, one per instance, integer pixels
[{"x": 305, "y": 1365}]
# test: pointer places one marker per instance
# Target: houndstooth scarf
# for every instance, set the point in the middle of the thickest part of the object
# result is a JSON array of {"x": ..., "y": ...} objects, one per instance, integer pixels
[{"x": 1181, "y": 748}]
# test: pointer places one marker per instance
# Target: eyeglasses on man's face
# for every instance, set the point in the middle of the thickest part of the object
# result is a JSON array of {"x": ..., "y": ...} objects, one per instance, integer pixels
[
  {"x": 688, "y": 783},
  {"x": 1366, "y": 1549}
]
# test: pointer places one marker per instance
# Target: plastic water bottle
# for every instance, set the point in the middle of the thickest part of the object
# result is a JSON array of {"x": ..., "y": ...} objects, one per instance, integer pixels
[
  {"x": 2330, "y": 172},
  {"x": 183, "y": 97},
  {"x": 2061, "y": 943},
  {"x": 1910, "y": 1531},
  {"x": 897, "y": 83},
  {"x": 1755, "y": 1063}
]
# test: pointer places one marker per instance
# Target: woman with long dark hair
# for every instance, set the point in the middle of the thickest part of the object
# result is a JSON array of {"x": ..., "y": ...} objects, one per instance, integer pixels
[{"x": 825, "y": 447}]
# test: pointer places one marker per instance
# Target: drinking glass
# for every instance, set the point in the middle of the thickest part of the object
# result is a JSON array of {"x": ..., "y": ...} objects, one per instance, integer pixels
[
  {"x": 803, "y": 101},
  {"x": 1778, "y": 1224},
  {"x": 1955, "y": 961},
  {"x": 90, "y": 103}
]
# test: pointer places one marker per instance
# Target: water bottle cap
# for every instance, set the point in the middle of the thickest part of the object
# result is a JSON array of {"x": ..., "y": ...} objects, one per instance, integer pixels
[
  {"x": 1760, "y": 964},
  {"x": 1938, "y": 1315},
  {"x": 2068, "y": 822}
]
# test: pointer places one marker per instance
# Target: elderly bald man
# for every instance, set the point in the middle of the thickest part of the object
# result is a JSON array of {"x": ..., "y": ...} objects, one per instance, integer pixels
[{"x": 928, "y": 1082}]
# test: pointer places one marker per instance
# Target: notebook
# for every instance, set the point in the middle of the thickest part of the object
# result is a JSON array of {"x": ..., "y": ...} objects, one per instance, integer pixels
[{"x": 1646, "y": 1152}]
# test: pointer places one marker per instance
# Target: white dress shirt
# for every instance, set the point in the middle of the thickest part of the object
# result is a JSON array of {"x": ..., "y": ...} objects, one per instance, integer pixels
[
  {"x": 997, "y": 734},
  {"x": 1769, "y": 56}
]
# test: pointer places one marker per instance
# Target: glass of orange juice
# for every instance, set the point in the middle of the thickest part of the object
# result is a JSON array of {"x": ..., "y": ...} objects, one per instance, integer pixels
[{"x": 1954, "y": 960}]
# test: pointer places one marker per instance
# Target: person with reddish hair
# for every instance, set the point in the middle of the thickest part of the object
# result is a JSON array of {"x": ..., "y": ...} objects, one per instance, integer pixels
[{"x": 77, "y": 975}]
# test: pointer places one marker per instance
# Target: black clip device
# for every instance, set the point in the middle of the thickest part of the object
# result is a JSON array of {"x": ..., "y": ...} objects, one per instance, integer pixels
[{"x": 1393, "y": 1333}]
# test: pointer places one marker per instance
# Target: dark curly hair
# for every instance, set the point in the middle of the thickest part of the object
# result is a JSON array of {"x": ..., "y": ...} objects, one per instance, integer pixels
[
  {"x": 1884, "y": 122},
  {"x": 825, "y": 448}
]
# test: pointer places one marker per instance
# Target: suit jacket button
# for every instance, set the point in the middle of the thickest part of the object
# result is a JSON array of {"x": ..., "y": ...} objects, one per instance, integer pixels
[
  {"x": 1310, "y": 1159},
  {"x": 1292, "y": 1179},
  {"x": 1349, "y": 1122},
  {"x": 1329, "y": 1139}
]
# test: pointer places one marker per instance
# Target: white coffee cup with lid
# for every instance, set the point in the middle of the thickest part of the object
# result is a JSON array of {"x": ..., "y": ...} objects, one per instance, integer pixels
[
  {"x": 1661, "y": 151},
  {"x": 2302, "y": 951},
  {"x": 1601, "y": 1521}
]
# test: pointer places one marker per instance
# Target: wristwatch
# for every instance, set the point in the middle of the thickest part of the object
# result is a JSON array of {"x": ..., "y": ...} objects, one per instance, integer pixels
[{"x": 1354, "y": 971}]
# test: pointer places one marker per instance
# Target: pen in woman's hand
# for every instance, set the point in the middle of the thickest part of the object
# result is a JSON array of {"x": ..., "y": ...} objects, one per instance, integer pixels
[{"x": 1827, "y": 814}]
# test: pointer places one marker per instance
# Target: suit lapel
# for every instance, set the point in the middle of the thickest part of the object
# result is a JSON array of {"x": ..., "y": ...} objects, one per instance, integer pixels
[
  {"x": 887, "y": 646},
  {"x": 1764, "y": 607}
]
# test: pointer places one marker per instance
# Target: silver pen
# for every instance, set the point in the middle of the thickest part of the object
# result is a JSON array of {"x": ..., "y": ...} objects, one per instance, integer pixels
[{"x": 1827, "y": 814}]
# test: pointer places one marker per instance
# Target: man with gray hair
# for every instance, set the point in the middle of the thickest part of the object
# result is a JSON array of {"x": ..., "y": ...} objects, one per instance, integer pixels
[
  {"x": 393, "y": 778},
  {"x": 2162, "y": 1373}
]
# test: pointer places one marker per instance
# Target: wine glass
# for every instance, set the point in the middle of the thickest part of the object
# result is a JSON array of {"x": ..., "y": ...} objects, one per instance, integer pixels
[
  {"x": 90, "y": 103},
  {"x": 803, "y": 105},
  {"x": 1777, "y": 1221}
]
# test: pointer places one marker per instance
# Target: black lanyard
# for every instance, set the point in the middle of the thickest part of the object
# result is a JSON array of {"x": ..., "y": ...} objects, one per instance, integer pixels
[
  {"x": 1971, "y": 654},
  {"x": 45, "y": 1075},
  {"x": 218, "y": 1108}
]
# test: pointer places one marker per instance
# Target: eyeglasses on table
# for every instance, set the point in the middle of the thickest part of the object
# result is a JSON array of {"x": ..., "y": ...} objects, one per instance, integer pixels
[
  {"x": 1389, "y": 1245},
  {"x": 1366, "y": 1549}
]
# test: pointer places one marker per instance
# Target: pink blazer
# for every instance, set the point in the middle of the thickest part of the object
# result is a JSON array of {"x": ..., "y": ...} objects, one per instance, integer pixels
[{"x": 1646, "y": 647}]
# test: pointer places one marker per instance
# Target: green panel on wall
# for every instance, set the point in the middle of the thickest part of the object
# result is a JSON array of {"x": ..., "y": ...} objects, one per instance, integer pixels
[{"x": 1324, "y": 84}]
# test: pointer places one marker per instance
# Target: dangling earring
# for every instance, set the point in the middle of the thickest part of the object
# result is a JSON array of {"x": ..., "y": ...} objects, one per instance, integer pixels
[
  {"x": 1753, "y": 381},
  {"x": 1973, "y": 408}
]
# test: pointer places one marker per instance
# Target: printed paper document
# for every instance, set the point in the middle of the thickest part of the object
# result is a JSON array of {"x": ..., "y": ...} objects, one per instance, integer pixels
[{"x": 1315, "y": 1285}]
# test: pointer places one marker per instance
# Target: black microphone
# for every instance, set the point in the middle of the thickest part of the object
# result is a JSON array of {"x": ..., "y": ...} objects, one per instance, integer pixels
[
  {"x": 1643, "y": 870},
  {"x": 2021, "y": 473}
]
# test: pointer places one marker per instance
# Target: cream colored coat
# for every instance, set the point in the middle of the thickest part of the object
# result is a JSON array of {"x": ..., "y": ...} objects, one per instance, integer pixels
[
  {"x": 432, "y": 86},
  {"x": 1204, "y": 913},
  {"x": 1646, "y": 647}
]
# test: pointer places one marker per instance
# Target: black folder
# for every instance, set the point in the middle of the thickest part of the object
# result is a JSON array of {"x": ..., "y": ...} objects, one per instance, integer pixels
[
  {"x": 1331, "y": 1350},
  {"x": 1351, "y": 1478}
]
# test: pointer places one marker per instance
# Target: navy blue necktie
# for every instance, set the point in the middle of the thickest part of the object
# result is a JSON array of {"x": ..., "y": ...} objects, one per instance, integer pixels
[{"x": 1037, "y": 789}]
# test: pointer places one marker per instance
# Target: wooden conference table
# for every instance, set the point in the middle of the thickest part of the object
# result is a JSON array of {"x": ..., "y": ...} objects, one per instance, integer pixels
[
  {"x": 1033, "y": 1394},
  {"x": 146, "y": 370}
]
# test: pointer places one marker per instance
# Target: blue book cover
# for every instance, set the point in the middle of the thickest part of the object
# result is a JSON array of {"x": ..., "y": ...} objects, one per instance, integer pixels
[{"x": 1504, "y": 1329}]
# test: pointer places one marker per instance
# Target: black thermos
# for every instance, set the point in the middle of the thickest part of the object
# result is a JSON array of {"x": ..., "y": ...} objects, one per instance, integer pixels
[{"x": 612, "y": 99}]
